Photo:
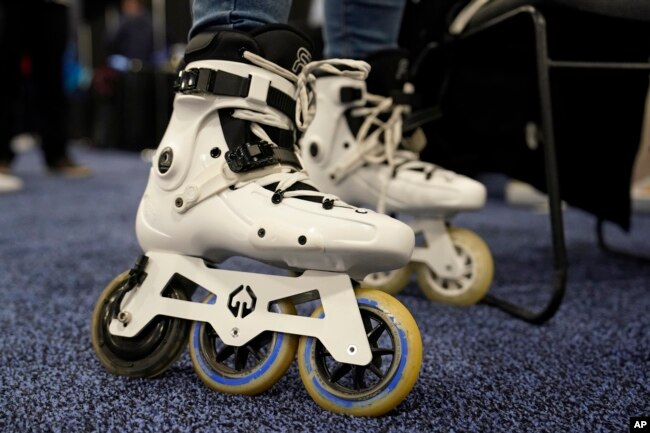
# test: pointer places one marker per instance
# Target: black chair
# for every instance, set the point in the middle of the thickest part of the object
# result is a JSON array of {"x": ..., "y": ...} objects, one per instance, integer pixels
[{"x": 539, "y": 90}]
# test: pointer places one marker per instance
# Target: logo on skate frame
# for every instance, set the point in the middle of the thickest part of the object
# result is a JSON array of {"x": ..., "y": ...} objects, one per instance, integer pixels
[{"x": 242, "y": 302}]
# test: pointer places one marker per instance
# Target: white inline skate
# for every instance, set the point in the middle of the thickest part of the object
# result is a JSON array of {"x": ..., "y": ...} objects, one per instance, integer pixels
[
  {"x": 355, "y": 148},
  {"x": 226, "y": 181}
]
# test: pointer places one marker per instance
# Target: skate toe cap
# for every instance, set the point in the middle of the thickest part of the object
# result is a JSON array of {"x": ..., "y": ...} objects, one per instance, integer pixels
[
  {"x": 443, "y": 192},
  {"x": 455, "y": 192},
  {"x": 390, "y": 248},
  {"x": 471, "y": 193}
]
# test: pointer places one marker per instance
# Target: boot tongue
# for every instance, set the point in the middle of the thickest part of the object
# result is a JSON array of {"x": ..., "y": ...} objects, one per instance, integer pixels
[
  {"x": 388, "y": 73},
  {"x": 284, "y": 46}
]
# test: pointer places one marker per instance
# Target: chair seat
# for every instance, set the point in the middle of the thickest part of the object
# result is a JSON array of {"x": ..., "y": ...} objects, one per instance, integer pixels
[
  {"x": 491, "y": 96},
  {"x": 638, "y": 10},
  {"x": 497, "y": 8}
]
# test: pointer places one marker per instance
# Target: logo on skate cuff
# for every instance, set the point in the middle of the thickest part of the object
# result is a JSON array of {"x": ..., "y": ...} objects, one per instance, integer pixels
[
  {"x": 303, "y": 56},
  {"x": 241, "y": 303}
]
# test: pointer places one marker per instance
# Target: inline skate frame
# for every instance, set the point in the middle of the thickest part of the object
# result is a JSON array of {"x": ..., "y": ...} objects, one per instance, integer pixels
[
  {"x": 226, "y": 181},
  {"x": 355, "y": 148}
]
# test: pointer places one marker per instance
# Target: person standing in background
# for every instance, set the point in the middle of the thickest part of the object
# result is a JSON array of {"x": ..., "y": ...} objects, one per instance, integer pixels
[
  {"x": 34, "y": 58},
  {"x": 134, "y": 36}
]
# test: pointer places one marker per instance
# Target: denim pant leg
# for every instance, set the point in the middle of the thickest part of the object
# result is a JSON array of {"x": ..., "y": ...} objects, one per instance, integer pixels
[
  {"x": 357, "y": 28},
  {"x": 237, "y": 14}
]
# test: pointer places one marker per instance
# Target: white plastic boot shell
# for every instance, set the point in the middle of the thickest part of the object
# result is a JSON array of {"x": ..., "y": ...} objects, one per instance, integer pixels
[
  {"x": 243, "y": 220},
  {"x": 337, "y": 163}
]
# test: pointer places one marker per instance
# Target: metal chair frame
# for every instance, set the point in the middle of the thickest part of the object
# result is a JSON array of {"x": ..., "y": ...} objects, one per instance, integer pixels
[{"x": 544, "y": 64}]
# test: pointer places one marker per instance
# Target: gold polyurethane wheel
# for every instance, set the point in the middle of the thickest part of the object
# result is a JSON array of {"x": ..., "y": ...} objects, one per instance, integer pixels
[
  {"x": 149, "y": 353},
  {"x": 249, "y": 369},
  {"x": 376, "y": 388},
  {"x": 477, "y": 274},
  {"x": 391, "y": 282}
]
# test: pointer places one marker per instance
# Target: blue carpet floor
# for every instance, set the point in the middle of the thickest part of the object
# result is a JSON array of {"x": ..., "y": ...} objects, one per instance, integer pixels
[{"x": 61, "y": 241}]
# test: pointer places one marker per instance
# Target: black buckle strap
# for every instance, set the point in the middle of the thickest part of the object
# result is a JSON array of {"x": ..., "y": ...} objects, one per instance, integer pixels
[
  {"x": 222, "y": 83},
  {"x": 204, "y": 80},
  {"x": 252, "y": 156},
  {"x": 281, "y": 102}
]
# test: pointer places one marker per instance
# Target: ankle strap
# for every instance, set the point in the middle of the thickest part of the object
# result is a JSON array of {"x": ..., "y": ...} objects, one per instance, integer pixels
[{"x": 222, "y": 83}]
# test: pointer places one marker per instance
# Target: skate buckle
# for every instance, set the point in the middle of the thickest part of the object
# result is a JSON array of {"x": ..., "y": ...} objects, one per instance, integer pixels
[
  {"x": 258, "y": 90},
  {"x": 187, "y": 81},
  {"x": 251, "y": 156}
]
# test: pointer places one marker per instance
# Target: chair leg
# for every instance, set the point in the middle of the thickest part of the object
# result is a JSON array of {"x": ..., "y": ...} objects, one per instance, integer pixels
[{"x": 560, "y": 266}]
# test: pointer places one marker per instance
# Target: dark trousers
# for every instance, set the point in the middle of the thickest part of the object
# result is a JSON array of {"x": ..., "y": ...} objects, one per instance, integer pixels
[{"x": 33, "y": 98}]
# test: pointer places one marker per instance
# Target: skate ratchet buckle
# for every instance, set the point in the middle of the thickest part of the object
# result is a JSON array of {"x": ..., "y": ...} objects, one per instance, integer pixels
[
  {"x": 187, "y": 80},
  {"x": 253, "y": 156}
]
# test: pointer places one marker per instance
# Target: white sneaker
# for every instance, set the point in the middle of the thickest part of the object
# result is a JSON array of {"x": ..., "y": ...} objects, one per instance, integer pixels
[
  {"x": 641, "y": 196},
  {"x": 518, "y": 193},
  {"x": 10, "y": 183}
]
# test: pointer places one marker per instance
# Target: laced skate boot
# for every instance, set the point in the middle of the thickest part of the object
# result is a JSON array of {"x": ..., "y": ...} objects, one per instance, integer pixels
[
  {"x": 355, "y": 148},
  {"x": 226, "y": 179}
]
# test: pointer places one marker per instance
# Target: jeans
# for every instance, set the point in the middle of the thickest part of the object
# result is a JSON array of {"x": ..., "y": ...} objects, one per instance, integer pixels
[
  {"x": 237, "y": 14},
  {"x": 353, "y": 28},
  {"x": 357, "y": 28}
]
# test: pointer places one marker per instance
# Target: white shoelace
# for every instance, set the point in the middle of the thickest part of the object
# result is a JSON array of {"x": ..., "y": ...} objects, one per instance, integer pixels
[
  {"x": 305, "y": 112},
  {"x": 306, "y": 80},
  {"x": 382, "y": 144}
]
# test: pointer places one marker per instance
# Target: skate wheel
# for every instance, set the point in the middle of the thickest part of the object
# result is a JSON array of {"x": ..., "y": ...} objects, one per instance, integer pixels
[
  {"x": 249, "y": 369},
  {"x": 378, "y": 387},
  {"x": 477, "y": 275},
  {"x": 391, "y": 282},
  {"x": 149, "y": 353}
]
